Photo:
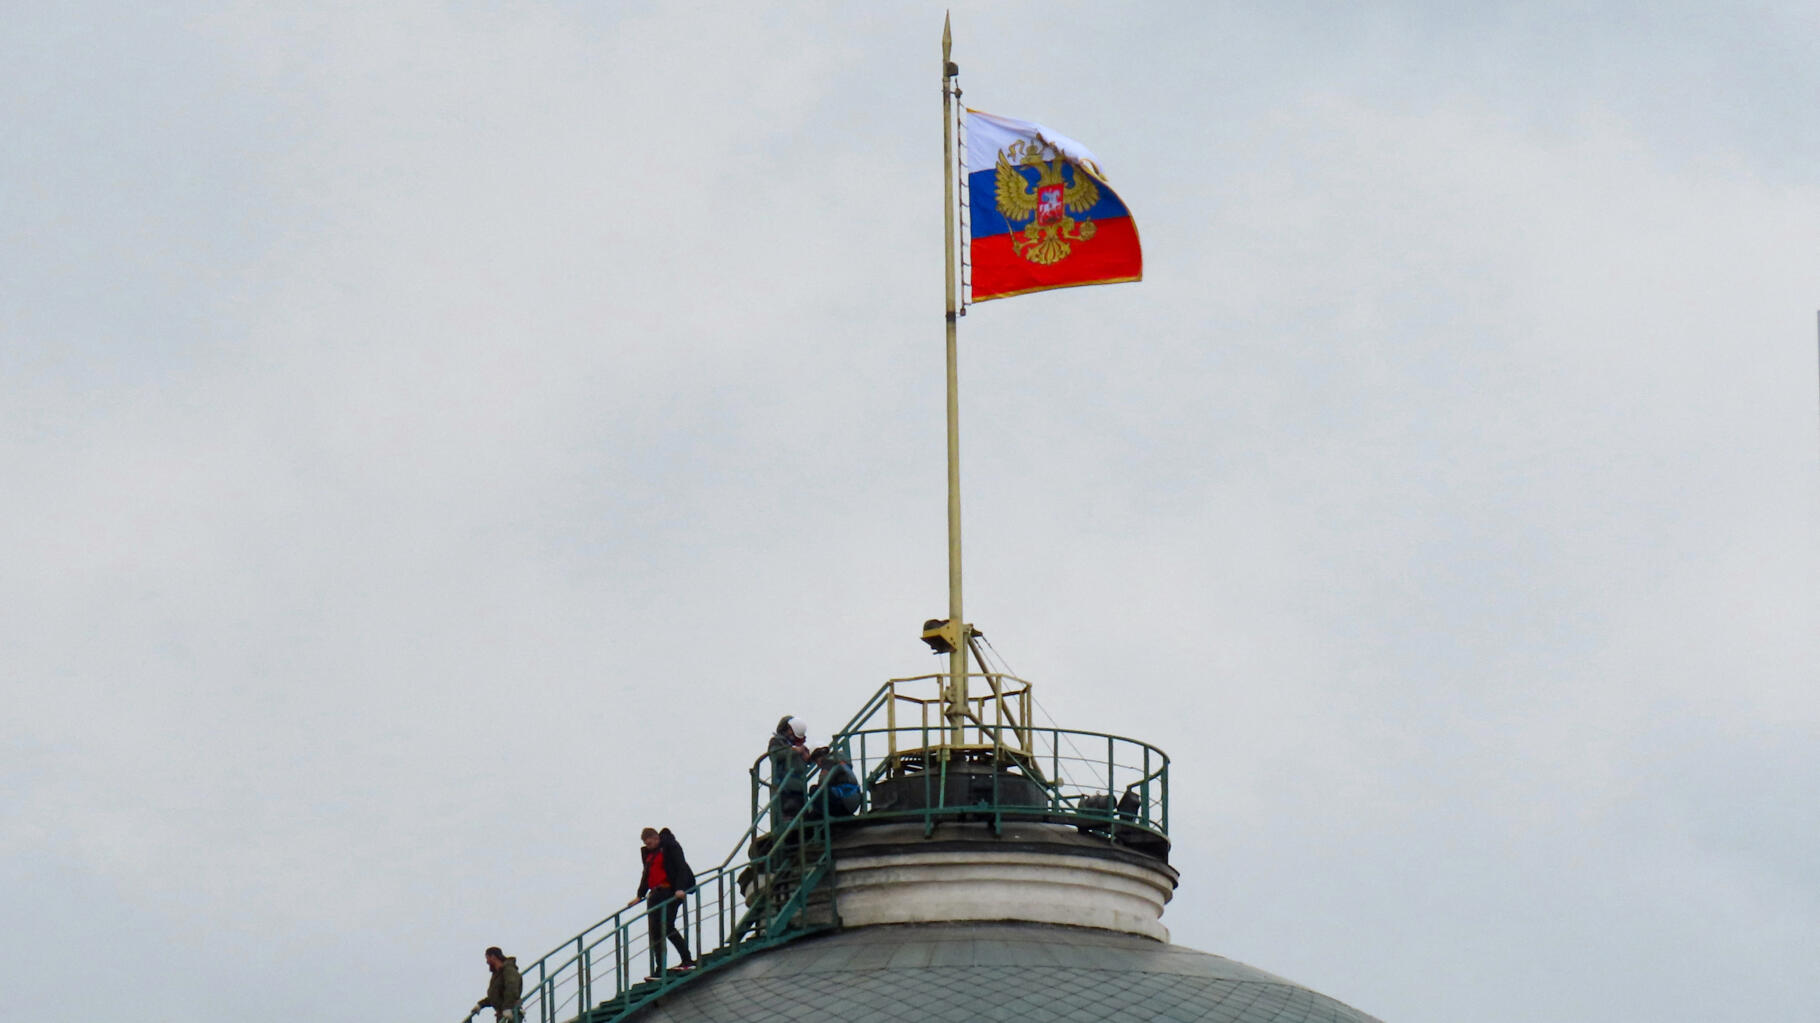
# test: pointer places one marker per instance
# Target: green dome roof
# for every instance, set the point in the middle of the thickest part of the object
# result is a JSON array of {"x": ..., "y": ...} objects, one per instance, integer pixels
[{"x": 974, "y": 972}]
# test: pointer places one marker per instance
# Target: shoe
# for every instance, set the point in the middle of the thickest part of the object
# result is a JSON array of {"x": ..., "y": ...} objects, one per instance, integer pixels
[
  {"x": 683, "y": 967},
  {"x": 652, "y": 978}
]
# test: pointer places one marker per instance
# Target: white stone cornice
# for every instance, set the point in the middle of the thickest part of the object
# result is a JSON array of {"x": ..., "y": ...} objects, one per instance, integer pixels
[{"x": 1039, "y": 873}]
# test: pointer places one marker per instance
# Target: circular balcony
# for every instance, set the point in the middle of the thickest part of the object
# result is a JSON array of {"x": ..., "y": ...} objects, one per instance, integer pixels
[{"x": 984, "y": 762}]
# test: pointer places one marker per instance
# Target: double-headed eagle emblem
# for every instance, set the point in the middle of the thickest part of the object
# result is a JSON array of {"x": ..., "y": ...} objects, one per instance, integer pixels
[{"x": 1045, "y": 201}]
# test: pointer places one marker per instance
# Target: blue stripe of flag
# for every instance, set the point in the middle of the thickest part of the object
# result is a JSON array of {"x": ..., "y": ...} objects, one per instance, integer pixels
[{"x": 987, "y": 221}]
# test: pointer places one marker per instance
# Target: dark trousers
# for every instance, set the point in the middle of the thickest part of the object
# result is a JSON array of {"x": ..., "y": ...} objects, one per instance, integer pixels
[
  {"x": 661, "y": 920},
  {"x": 789, "y": 801}
]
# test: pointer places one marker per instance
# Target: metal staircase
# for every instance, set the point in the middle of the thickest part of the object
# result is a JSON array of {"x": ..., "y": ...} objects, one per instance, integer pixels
[
  {"x": 757, "y": 898},
  {"x": 773, "y": 887}
]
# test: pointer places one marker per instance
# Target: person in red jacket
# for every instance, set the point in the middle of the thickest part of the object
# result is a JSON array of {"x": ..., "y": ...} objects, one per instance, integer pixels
[{"x": 666, "y": 879}]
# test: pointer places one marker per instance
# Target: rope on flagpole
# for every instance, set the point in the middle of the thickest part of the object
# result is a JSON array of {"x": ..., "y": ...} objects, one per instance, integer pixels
[{"x": 966, "y": 203}]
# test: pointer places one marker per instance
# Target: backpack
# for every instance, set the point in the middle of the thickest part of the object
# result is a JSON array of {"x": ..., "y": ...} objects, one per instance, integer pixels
[{"x": 683, "y": 878}]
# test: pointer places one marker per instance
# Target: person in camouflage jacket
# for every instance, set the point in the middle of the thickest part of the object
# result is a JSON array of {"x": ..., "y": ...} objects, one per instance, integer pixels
[{"x": 504, "y": 989}]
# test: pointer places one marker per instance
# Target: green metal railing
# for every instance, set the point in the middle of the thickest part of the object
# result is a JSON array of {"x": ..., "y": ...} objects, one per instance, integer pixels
[
  {"x": 1119, "y": 790},
  {"x": 740, "y": 905},
  {"x": 771, "y": 888},
  {"x": 1099, "y": 782}
]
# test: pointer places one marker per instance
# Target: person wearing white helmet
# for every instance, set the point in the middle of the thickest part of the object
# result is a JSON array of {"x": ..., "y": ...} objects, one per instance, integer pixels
[{"x": 789, "y": 752}]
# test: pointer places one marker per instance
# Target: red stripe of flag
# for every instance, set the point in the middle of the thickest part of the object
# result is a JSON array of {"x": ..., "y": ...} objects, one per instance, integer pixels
[{"x": 1110, "y": 256}]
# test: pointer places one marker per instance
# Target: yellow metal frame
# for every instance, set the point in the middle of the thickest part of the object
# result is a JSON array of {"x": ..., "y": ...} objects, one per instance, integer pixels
[{"x": 995, "y": 722}]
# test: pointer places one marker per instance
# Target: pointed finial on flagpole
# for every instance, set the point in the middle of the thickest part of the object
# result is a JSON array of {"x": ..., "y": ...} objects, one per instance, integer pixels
[{"x": 949, "y": 67}]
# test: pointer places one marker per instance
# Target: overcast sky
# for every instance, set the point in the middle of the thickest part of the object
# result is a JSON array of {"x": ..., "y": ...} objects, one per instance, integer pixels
[{"x": 438, "y": 440}]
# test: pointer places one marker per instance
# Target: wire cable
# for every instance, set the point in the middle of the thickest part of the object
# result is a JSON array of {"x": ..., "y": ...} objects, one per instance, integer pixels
[{"x": 1055, "y": 729}]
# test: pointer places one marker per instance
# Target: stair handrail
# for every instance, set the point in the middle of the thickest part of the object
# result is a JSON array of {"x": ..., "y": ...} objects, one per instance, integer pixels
[
  {"x": 622, "y": 921},
  {"x": 543, "y": 977}
]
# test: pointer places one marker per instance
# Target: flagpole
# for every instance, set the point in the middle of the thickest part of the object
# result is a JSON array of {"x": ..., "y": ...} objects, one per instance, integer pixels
[{"x": 957, "y": 658}]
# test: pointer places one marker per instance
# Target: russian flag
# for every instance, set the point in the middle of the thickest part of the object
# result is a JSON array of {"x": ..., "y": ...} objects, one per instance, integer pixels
[{"x": 1042, "y": 214}]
